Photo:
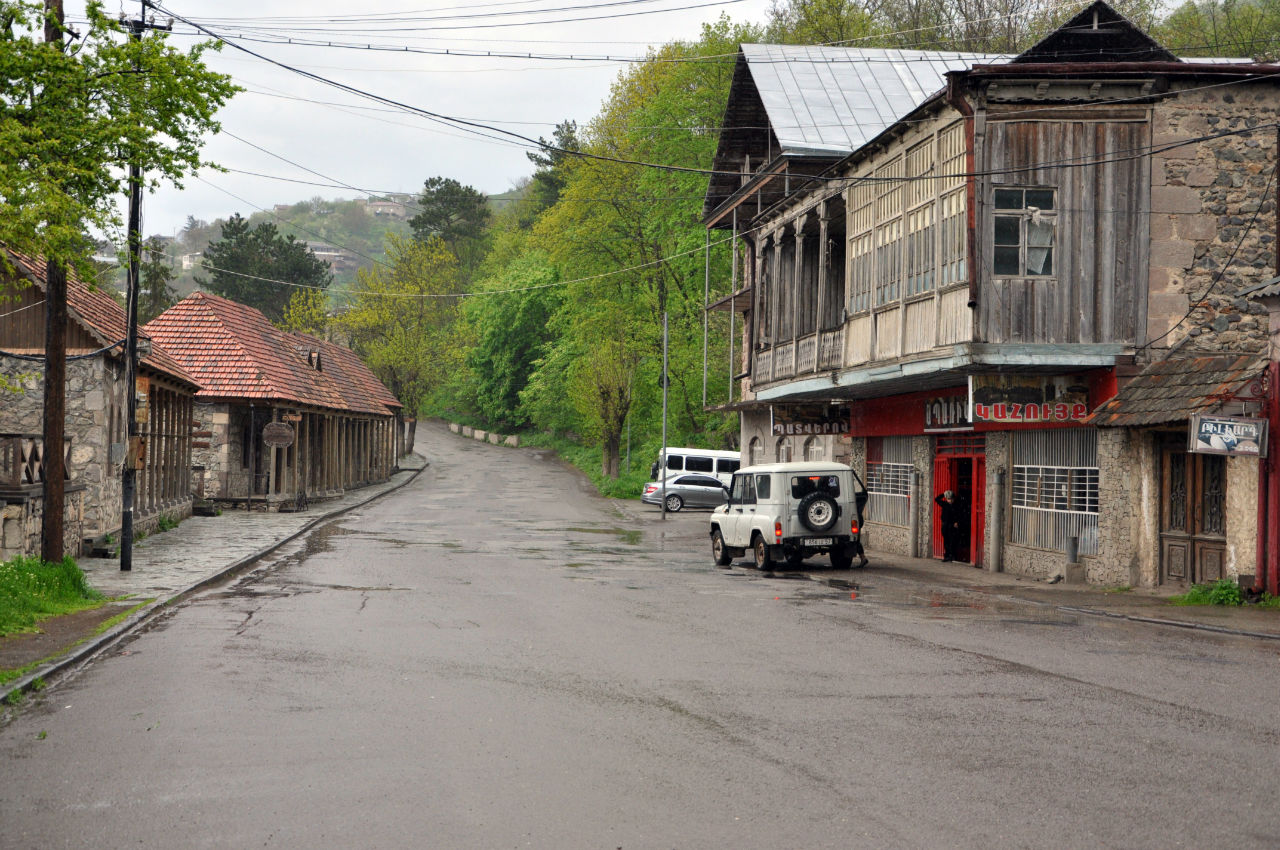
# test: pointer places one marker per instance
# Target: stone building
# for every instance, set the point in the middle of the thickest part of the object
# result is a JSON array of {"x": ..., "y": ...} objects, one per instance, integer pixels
[
  {"x": 963, "y": 258},
  {"x": 257, "y": 382},
  {"x": 95, "y": 417}
]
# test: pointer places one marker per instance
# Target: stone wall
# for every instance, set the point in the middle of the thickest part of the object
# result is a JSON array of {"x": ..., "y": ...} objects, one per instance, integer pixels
[
  {"x": 1212, "y": 212},
  {"x": 20, "y": 525},
  {"x": 95, "y": 406},
  {"x": 212, "y": 449}
]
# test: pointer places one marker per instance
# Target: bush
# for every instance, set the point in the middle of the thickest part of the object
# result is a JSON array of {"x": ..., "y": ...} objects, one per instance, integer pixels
[
  {"x": 1221, "y": 592},
  {"x": 32, "y": 589}
]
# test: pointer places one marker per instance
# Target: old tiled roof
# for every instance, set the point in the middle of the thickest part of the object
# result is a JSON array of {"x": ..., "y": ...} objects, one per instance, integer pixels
[
  {"x": 355, "y": 381},
  {"x": 1171, "y": 390},
  {"x": 236, "y": 353},
  {"x": 100, "y": 315}
]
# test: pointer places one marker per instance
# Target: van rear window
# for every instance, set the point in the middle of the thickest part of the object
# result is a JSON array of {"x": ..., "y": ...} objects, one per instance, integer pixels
[
  {"x": 675, "y": 461},
  {"x": 727, "y": 465},
  {"x": 693, "y": 463},
  {"x": 802, "y": 486}
]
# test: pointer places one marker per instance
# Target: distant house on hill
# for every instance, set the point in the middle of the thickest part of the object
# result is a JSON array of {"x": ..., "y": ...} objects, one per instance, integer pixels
[
  {"x": 259, "y": 384},
  {"x": 96, "y": 405}
]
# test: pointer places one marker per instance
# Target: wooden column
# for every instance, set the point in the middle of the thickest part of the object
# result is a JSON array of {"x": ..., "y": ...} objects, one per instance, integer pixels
[
  {"x": 271, "y": 461},
  {"x": 824, "y": 223}
]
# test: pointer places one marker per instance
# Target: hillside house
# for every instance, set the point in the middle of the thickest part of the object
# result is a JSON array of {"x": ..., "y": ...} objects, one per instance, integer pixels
[
  {"x": 948, "y": 264},
  {"x": 96, "y": 409},
  {"x": 255, "y": 380}
]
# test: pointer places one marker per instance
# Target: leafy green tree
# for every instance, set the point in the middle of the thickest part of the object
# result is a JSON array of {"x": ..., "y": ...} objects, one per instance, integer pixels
[
  {"x": 552, "y": 159},
  {"x": 1224, "y": 28},
  {"x": 157, "y": 277},
  {"x": 818, "y": 21},
  {"x": 307, "y": 312},
  {"x": 456, "y": 214},
  {"x": 511, "y": 335},
  {"x": 403, "y": 320},
  {"x": 259, "y": 267},
  {"x": 70, "y": 118}
]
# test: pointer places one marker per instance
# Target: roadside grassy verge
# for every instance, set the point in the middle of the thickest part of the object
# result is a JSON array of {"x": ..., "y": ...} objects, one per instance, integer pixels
[
  {"x": 628, "y": 485},
  {"x": 1221, "y": 592},
  {"x": 32, "y": 590}
]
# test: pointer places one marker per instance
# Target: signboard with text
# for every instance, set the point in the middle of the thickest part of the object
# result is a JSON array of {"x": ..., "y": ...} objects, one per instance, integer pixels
[
  {"x": 1228, "y": 435},
  {"x": 1028, "y": 399},
  {"x": 809, "y": 419},
  {"x": 946, "y": 413}
]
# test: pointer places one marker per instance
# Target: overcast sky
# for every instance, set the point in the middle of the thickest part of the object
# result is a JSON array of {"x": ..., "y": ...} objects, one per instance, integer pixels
[{"x": 355, "y": 142}]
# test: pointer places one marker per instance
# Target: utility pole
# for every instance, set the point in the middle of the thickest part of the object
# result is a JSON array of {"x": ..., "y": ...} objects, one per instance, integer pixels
[
  {"x": 129, "y": 476},
  {"x": 55, "y": 366}
]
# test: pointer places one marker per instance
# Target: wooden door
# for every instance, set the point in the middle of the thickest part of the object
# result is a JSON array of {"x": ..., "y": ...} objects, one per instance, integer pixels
[{"x": 1193, "y": 527}]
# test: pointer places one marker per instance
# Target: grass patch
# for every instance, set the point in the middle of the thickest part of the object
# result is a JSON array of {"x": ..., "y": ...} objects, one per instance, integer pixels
[
  {"x": 628, "y": 485},
  {"x": 1221, "y": 592},
  {"x": 167, "y": 524},
  {"x": 32, "y": 590}
]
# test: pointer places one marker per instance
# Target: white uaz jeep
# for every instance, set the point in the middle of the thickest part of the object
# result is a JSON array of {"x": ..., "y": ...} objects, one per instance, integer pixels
[{"x": 788, "y": 512}]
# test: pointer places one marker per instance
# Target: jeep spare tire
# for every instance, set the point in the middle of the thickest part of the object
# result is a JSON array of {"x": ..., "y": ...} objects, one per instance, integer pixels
[{"x": 818, "y": 512}]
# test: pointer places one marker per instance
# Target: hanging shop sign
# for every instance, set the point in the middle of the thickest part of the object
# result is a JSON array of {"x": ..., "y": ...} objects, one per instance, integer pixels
[
  {"x": 805, "y": 420},
  {"x": 947, "y": 413},
  {"x": 1028, "y": 399},
  {"x": 278, "y": 434},
  {"x": 1228, "y": 435}
]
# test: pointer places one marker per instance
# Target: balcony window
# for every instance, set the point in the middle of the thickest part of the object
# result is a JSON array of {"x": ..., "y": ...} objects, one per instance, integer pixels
[{"x": 1024, "y": 232}]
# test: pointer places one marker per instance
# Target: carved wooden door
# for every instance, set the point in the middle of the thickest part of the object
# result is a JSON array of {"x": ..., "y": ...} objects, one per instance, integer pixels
[{"x": 1193, "y": 525}]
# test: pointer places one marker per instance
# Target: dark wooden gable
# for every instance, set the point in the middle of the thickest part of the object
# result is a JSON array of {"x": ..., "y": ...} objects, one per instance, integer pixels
[
  {"x": 745, "y": 131},
  {"x": 1097, "y": 34}
]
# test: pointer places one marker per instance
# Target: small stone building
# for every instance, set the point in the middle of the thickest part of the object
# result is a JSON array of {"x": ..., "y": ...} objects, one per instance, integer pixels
[
  {"x": 96, "y": 407},
  {"x": 280, "y": 417}
]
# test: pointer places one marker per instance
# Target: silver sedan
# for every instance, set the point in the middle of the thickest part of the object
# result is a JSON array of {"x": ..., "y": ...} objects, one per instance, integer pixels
[{"x": 692, "y": 491}]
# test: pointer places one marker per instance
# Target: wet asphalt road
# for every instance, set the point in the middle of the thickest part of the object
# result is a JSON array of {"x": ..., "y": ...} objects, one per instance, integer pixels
[{"x": 494, "y": 657}]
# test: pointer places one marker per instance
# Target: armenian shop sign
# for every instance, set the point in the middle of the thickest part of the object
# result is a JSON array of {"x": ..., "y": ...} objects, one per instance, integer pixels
[
  {"x": 1228, "y": 435},
  {"x": 809, "y": 419},
  {"x": 1028, "y": 399}
]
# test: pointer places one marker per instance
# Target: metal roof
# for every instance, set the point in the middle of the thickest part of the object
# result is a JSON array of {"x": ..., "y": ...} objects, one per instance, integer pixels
[{"x": 830, "y": 101}]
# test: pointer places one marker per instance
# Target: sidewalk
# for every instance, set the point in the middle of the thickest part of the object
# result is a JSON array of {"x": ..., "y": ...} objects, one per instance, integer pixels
[
  {"x": 931, "y": 582},
  {"x": 168, "y": 566}
]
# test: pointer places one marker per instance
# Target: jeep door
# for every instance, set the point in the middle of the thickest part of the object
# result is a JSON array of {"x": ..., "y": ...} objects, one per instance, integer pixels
[{"x": 736, "y": 526}]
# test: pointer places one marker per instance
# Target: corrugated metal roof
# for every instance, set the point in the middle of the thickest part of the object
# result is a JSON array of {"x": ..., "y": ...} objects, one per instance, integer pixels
[
  {"x": 1171, "y": 390},
  {"x": 827, "y": 101}
]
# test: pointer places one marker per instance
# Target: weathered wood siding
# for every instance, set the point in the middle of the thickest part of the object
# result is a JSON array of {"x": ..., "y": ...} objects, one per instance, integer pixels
[{"x": 1098, "y": 290}]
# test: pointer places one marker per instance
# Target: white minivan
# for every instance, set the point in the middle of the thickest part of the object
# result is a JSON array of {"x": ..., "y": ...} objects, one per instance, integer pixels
[{"x": 715, "y": 462}]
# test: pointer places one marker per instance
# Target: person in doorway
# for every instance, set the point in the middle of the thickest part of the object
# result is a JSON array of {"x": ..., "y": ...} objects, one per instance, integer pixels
[{"x": 950, "y": 518}]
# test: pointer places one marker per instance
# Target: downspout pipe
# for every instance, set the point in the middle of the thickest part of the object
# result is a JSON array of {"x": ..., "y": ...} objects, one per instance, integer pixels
[{"x": 956, "y": 98}]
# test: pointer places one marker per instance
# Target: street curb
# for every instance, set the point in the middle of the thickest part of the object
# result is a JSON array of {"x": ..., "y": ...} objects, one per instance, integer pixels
[
  {"x": 82, "y": 654},
  {"x": 844, "y": 584}
]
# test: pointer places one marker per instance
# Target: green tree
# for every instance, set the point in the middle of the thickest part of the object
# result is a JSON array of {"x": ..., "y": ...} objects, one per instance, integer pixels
[
  {"x": 456, "y": 214},
  {"x": 818, "y": 21},
  {"x": 70, "y": 118},
  {"x": 1224, "y": 28},
  {"x": 307, "y": 312},
  {"x": 552, "y": 159},
  {"x": 403, "y": 319},
  {"x": 512, "y": 332},
  {"x": 157, "y": 276},
  {"x": 259, "y": 267}
]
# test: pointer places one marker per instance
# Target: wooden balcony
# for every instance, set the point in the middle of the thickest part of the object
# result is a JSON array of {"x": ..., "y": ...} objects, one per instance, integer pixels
[
  {"x": 22, "y": 463},
  {"x": 885, "y": 334}
]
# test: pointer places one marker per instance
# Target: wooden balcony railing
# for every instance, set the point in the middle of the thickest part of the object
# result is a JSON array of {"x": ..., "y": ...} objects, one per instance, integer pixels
[{"x": 22, "y": 460}]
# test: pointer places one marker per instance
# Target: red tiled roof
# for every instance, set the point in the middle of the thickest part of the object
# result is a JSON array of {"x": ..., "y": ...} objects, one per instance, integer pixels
[
  {"x": 236, "y": 353},
  {"x": 99, "y": 314},
  {"x": 357, "y": 383}
]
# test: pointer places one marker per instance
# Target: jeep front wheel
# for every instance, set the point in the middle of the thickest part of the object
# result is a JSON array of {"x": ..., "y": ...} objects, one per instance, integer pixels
[{"x": 719, "y": 551}]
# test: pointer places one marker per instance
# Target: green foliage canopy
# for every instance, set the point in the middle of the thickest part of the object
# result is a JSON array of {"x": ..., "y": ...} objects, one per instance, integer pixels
[{"x": 259, "y": 267}]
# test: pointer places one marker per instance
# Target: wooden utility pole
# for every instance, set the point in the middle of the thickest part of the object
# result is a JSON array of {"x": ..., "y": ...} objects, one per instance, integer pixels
[{"x": 55, "y": 367}]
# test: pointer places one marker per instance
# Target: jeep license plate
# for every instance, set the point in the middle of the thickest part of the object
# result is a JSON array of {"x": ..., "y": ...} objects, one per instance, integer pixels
[{"x": 817, "y": 541}]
